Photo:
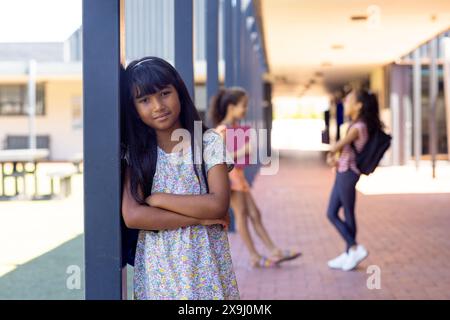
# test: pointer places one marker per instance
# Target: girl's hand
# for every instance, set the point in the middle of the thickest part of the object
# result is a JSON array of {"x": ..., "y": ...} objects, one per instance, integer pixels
[
  {"x": 148, "y": 200},
  {"x": 248, "y": 148},
  {"x": 154, "y": 199},
  {"x": 210, "y": 222},
  {"x": 331, "y": 159},
  {"x": 227, "y": 220}
]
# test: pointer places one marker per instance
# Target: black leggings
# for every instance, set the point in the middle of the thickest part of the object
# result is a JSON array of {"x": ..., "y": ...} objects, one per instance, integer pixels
[{"x": 344, "y": 195}]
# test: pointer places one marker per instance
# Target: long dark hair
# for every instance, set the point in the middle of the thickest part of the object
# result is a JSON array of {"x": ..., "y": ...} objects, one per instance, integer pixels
[
  {"x": 221, "y": 101},
  {"x": 369, "y": 112},
  {"x": 139, "y": 144}
]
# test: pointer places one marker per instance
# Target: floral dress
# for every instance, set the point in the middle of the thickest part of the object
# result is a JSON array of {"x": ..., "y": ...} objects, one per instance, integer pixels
[{"x": 192, "y": 262}]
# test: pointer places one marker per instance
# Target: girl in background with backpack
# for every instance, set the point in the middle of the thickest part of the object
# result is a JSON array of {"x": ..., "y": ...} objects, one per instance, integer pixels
[{"x": 361, "y": 107}]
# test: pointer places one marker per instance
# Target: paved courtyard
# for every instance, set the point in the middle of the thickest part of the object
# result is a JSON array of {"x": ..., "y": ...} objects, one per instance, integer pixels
[
  {"x": 407, "y": 236},
  {"x": 404, "y": 226}
]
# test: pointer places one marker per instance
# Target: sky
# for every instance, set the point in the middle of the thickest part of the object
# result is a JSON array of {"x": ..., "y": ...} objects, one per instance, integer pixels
[{"x": 38, "y": 20}]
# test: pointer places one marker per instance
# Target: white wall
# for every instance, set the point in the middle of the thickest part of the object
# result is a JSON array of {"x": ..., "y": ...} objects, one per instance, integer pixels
[{"x": 65, "y": 140}]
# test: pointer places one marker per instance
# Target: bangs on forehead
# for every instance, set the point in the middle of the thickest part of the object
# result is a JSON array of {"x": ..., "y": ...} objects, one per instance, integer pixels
[{"x": 149, "y": 80}]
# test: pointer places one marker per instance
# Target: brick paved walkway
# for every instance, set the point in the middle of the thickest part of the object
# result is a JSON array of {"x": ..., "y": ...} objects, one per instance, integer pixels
[{"x": 407, "y": 236}]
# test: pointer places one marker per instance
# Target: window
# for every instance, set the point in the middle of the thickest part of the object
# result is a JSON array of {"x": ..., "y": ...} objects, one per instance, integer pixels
[
  {"x": 14, "y": 99},
  {"x": 441, "y": 125}
]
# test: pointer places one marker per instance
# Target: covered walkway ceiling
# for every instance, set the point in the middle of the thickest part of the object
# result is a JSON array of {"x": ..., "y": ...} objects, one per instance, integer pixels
[{"x": 318, "y": 39}]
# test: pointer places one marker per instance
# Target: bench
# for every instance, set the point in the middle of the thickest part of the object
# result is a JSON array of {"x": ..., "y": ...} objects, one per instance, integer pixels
[
  {"x": 20, "y": 157},
  {"x": 77, "y": 160},
  {"x": 65, "y": 182}
]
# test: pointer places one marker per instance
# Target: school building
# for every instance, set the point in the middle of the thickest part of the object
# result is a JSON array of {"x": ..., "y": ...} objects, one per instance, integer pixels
[
  {"x": 58, "y": 81},
  {"x": 404, "y": 85},
  {"x": 274, "y": 49}
]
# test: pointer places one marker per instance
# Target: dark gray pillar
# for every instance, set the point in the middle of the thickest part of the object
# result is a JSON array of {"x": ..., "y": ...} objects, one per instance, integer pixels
[
  {"x": 184, "y": 46},
  {"x": 237, "y": 38},
  {"x": 446, "y": 48},
  {"x": 433, "y": 100},
  {"x": 102, "y": 56},
  {"x": 417, "y": 102},
  {"x": 228, "y": 42},
  {"x": 212, "y": 49}
]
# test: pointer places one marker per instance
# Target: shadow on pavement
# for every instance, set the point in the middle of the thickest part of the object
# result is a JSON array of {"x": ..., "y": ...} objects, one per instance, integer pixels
[{"x": 46, "y": 277}]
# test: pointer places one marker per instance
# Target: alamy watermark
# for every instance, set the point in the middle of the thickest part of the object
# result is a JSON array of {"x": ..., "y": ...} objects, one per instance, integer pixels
[
  {"x": 374, "y": 280},
  {"x": 236, "y": 139},
  {"x": 73, "y": 281}
]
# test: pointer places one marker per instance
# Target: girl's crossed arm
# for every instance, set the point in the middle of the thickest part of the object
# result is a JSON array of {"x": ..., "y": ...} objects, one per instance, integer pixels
[
  {"x": 243, "y": 151},
  {"x": 246, "y": 149},
  {"x": 137, "y": 216},
  {"x": 351, "y": 136},
  {"x": 213, "y": 205}
]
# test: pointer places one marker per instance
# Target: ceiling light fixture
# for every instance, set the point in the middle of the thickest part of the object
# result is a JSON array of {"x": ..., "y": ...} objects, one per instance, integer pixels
[
  {"x": 358, "y": 18},
  {"x": 337, "y": 46}
]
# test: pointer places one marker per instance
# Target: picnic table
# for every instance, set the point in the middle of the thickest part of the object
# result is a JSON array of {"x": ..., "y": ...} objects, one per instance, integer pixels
[
  {"x": 20, "y": 157},
  {"x": 77, "y": 159},
  {"x": 65, "y": 184}
]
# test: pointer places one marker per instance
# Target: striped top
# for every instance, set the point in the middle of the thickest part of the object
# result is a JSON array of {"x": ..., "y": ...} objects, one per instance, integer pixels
[{"x": 347, "y": 158}]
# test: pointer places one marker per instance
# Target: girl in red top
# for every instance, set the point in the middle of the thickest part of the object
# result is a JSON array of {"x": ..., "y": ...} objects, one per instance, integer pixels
[{"x": 227, "y": 109}]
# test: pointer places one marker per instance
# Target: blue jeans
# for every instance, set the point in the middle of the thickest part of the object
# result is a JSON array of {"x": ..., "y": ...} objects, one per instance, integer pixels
[{"x": 344, "y": 195}]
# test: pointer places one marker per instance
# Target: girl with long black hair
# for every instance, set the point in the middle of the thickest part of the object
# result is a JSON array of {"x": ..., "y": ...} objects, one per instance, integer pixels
[
  {"x": 178, "y": 202},
  {"x": 361, "y": 107}
]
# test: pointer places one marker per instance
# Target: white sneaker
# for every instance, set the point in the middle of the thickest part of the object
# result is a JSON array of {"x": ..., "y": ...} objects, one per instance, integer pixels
[
  {"x": 354, "y": 257},
  {"x": 338, "y": 262}
]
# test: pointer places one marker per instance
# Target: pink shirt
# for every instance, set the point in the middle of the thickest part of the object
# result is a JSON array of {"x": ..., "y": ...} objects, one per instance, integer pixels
[
  {"x": 347, "y": 159},
  {"x": 235, "y": 139}
]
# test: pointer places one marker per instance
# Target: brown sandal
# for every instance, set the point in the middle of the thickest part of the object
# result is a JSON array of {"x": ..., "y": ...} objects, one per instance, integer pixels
[
  {"x": 264, "y": 262},
  {"x": 288, "y": 255}
]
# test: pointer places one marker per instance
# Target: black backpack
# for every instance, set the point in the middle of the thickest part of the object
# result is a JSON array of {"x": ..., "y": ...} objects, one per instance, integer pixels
[{"x": 370, "y": 156}]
